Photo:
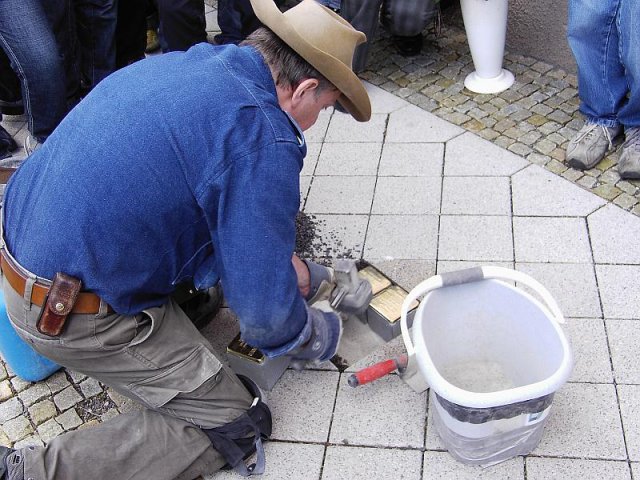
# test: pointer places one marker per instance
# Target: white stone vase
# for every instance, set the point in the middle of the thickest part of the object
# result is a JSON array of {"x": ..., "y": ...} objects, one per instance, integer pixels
[{"x": 485, "y": 22}]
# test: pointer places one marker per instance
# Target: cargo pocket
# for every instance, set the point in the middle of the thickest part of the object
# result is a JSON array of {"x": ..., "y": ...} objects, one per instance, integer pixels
[{"x": 184, "y": 377}]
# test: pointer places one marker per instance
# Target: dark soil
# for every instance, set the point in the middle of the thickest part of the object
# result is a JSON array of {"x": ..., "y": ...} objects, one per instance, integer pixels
[{"x": 94, "y": 407}]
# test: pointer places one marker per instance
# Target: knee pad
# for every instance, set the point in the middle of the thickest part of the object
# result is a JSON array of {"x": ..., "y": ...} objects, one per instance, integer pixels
[{"x": 239, "y": 439}]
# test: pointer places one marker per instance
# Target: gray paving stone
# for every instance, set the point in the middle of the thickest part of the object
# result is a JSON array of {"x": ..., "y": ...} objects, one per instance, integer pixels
[
  {"x": 412, "y": 159},
  {"x": 5, "y": 390},
  {"x": 476, "y": 196},
  {"x": 69, "y": 419},
  {"x": 57, "y": 382},
  {"x": 301, "y": 405},
  {"x": 34, "y": 393},
  {"x": 442, "y": 465},
  {"x": 412, "y": 124},
  {"x": 588, "y": 341},
  {"x": 406, "y": 273},
  {"x": 614, "y": 235},
  {"x": 573, "y": 286},
  {"x": 619, "y": 290},
  {"x": 340, "y": 236},
  {"x": 318, "y": 131},
  {"x": 370, "y": 415},
  {"x": 572, "y": 468},
  {"x": 392, "y": 237},
  {"x": 17, "y": 428},
  {"x": 544, "y": 239},
  {"x": 350, "y": 195},
  {"x": 90, "y": 387},
  {"x": 584, "y": 422},
  {"x": 305, "y": 183},
  {"x": 349, "y": 159},
  {"x": 33, "y": 440},
  {"x": 537, "y": 192},
  {"x": 629, "y": 396},
  {"x": 382, "y": 101},
  {"x": 481, "y": 238},
  {"x": 285, "y": 461},
  {"x": 42, "y": 411},
  {"x": 66, "y": 398},
  {"x": 10, "y": 409},
  {"x": 471, "y": 155},
  {"x": 19, "y": 384},
  {"x": 343, "y": 128},
  {"x": 357, "y": 463},
  {"x": 624, "y": 342},
  {"x": 407, "y": 195},
  {"x": 49, "y": 430}
]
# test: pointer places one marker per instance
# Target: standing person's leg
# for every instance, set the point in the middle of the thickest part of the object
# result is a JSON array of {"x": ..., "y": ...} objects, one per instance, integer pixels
[
  {"x": 10, "y": 91},
  {"x": 157, "y": 358},
  {"x": 182, "y": 24},
  {"x": 131, "y": 31},
  {"x": 592, "y": 32},
  {"x": 363, "y": 15},
  {"x": 406, "y": 20},
  {"x": 629, "y": 114},
  {"x": 96, "y": 27}
]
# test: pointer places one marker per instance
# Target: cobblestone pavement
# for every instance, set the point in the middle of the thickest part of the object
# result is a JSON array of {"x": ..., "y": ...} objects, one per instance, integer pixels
[
  {"x": 418, "y": 204},
  {"x": 535, "y": 118}
]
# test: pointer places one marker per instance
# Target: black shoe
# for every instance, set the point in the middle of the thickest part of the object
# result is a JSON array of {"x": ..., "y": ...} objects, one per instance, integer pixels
[
  {"x": 201, "y": 306},
  {"x": 408, "y": 46},
  {"x": 7, "y": 143}
]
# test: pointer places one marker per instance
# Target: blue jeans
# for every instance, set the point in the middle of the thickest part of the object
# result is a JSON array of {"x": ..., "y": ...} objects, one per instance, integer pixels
[
  {"x": 603, "y": 37},
  {"x": 27, "y": 38}
]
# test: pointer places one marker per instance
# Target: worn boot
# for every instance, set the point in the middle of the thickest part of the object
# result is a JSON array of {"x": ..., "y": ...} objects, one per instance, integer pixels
[
  {"x": 11, "y": 464},
  {"x": 629, "y": 163},
  {"x": 591, "y": 144}
]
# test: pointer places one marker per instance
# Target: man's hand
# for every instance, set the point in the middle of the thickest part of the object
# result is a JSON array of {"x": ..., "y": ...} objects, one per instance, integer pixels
[{"x": 304, "y": 279}]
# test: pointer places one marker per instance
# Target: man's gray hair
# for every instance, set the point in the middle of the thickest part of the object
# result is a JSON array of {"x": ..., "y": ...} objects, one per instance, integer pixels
[{"x": 289, "y": 68}]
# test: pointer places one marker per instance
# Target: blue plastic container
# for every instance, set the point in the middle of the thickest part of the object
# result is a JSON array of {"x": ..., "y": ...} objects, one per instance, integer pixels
[{"x": 23, "y": 360}]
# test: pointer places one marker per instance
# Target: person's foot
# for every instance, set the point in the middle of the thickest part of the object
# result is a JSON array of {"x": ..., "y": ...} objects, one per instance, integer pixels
[
  {"x": 7, "y": 143},
  {"x": 629, "y": 163},
  {"x": 408, "y": 46},
  {"x": 153, "y": 42},
  {"x": 591, "y": 144}
]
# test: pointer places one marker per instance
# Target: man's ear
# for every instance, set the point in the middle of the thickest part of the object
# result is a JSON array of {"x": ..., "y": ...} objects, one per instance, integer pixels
[{"x": 303, "y": 89}]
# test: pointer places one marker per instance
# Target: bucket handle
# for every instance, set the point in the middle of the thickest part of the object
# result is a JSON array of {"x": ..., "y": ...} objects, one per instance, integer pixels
[{"x": 470, "y": 275}]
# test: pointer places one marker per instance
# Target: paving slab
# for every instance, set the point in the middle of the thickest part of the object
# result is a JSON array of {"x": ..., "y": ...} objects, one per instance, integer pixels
[
  {"x": 537, "y": 192},
  {"x": 318, "y": 131},
  {"x": 572, "y": 285},
  {"x": 343, "y": 128},
  {"x": 614, "y": 236},
  {"x": 345, "y": 194},
  {"x": 584, "y": 422},
  {"x": 549, "y": 239},
  {"x": 441, "y": 465},
  {"x": 349, "y": 159},
  {"x": 619, "y": 290},
  {"x": 407, "y": 195},
  {"x": 630, "y": 410},
  {"x": 476, "y": 196},
  {"x": 339, "y": 236},
  {"x": 624, "y": 338},
  {"x": 383, "y": 101},
  {"x": 471, "y": 155},
  {"x": 301, "y": 404},
  {"x": 285, "y": 461},
  {"x": 411, "y": 160},
  {"x": 565, "y": 468},
  {"x": 386, "y": 413},
  {"x": 310, "y": 161},
  {"x": 391, "y": 237},
  {"x": 479, "y": 238},
  {"x": 412, "y": 124},
  {"x": 588, "y": 341},
  {"x": 357, "y": 463}
]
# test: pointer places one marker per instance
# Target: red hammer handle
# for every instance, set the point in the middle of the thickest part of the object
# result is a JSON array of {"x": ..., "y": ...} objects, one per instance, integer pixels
[{"x": 374, "y": 372}]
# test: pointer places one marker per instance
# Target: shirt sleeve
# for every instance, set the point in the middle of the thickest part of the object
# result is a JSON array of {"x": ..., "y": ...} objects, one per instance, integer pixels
[{"x": 251, "y": 209}]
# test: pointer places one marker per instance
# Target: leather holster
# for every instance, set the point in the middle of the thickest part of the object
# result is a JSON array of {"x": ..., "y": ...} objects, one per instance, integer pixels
[{"x": 58, "y": 305}]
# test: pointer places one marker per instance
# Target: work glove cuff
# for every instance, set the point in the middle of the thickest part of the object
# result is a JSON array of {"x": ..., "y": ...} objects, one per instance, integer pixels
[
  {"x": 324, "y": 337},
  {"x": 320, "y": 279}
]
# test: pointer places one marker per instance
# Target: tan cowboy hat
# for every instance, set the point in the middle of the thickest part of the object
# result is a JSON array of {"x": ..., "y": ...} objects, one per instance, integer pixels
[{"x": 326, "y": 41}]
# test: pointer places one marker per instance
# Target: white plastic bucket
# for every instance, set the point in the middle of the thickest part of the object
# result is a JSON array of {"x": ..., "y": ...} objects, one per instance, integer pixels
[{"x": 492, "y": 355}]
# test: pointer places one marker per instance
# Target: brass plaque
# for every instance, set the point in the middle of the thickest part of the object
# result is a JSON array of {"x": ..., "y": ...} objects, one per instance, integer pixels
[
  {"x": 388, "y": 303},
  {"x": 377, "y": 280},
  {"x": 244, "y": 350}
]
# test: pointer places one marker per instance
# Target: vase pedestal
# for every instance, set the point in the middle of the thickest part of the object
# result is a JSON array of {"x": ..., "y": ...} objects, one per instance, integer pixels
[{"x": 485, "y": 22}]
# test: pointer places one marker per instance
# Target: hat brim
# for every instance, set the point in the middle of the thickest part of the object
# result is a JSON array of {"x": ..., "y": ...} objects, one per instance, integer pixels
[{"x": 354, "y": 97}]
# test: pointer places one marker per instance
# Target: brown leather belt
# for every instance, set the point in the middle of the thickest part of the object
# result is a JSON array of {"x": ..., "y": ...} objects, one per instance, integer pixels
[{"x": 87, "y": 303}]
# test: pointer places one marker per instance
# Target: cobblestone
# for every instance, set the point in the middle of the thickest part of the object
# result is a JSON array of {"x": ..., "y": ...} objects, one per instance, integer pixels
[
  {"x": 42, "y": 411},
  {"x": 34, "y": 393},
  {"x": 67, "y": 398},
  {"x": 10, "y": 409},
  {"x": 69, "y": 419},
  {"x": 49, "y": 430},
  {"x": 17, "y": 428},
  {"x": 5, "y": 390}
]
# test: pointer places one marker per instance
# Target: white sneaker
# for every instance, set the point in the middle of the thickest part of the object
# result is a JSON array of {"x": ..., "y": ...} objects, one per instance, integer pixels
[
  {"x": 591, "y": 144},
  {"x": 629, "y": 163}
]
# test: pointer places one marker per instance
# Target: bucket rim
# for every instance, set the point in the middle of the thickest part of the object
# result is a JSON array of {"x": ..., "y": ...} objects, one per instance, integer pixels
[{"x": 468, "y": 398}]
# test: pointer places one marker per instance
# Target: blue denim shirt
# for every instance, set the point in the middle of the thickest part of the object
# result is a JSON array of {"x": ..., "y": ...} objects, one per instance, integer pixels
[{"x": 182, "y": 166}]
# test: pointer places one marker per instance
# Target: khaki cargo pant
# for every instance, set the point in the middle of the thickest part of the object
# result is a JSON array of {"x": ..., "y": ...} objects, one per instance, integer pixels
[{"x": 160, "y": 360}]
